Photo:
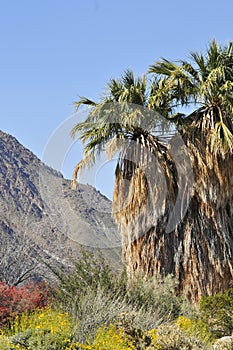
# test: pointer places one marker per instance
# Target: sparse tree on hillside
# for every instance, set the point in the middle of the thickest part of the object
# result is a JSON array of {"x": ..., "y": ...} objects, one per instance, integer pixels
[{"x": 17, "y": 262}]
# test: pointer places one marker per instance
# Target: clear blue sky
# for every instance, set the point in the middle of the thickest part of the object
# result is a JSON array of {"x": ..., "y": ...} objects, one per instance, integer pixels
[{"x": 54, "y": 50}]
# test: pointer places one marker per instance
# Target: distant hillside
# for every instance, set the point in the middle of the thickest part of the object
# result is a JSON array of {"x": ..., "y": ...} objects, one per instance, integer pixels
[{"x": 42, "y": 216}]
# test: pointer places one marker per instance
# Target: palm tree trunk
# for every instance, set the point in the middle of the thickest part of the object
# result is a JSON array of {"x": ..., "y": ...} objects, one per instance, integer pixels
[{"x": 198, "y": 250}]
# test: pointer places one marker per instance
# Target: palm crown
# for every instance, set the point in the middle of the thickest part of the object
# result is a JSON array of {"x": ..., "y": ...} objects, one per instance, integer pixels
[
  {"x": 121, "y": 114},
  {"x": 206, "y": 82}
]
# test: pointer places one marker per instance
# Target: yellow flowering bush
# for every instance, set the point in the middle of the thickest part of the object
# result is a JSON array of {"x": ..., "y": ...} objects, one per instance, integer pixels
[
  {"x": 43, "y": 319},
  {"x": 118, "y": 338},
  {"x": 5, "y": 343},
  {"x": 43, "y": 329},
  {"x": 194, "y": 328},
  {"x": 153, "y": 337},
  {"x": 107, "y": 338},
  {"x": 51, "y": 329},
  {"x": 112, "y": 338},
  {"x": 182, "y": 334}
]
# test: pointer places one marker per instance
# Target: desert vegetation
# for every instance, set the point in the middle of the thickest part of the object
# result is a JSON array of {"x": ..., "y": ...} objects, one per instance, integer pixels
[
  {"x": 93, "y": 308},
  {"x": 174, "y": 291}
]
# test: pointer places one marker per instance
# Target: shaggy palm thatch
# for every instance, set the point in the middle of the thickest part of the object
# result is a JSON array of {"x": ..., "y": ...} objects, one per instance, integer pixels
[
  {"x": 199, "y": 249},
  {"x": 172, "y": 200}
]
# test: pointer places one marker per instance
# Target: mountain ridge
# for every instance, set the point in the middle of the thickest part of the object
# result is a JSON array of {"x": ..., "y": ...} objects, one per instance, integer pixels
[{"x": 39, "y": 208}]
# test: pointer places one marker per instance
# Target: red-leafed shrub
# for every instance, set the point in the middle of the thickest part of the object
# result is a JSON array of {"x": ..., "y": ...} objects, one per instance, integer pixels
[{"x": 15, "y": 300}]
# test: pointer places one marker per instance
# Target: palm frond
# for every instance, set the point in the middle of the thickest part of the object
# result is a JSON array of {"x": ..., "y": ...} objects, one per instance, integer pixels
[
  {"x": 187, "y": 67},
  {"x": 201, "y": 81},
  {"x": 83, "y": 101},
  {"x": 163, "y": 67},
  {"x": 224, "y": 138},
  {"x": 213, "y": 54},
  {"x": 128, "y": 79},
  {"x": 75, "y": 173},
  {"x": 199, "y": 61}
]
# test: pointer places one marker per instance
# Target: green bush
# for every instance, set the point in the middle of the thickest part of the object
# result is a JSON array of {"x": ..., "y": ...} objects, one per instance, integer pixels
[
  {"x": 89, "y": 272},
  {"x": 158, "y": 294},
  {"x": 94, "y": 296},
  {"x": 194, "y": 327},
  {"x": 217, "y": 312},
  {"x": 97, "y": 309}
]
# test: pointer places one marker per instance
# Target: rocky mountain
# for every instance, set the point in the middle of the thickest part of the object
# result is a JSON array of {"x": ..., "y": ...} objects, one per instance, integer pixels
[{"x": 41, "y": 216}]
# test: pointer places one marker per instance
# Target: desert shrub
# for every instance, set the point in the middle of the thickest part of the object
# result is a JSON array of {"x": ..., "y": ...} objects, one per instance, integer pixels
[
  {"x": 97, "y": 309},
  {"x": 15, "y": 300},
  {"x": 158, "y": 294},
  {"x": 115, "y": 337},
  {"x": 45, "y": 329},
  {"x": 100, "y": 307},
  {"x": 112, "y": 338},
  {"x": 195, "y": 327},
  {"x": 88, "y": 273},
  {"x": 172, "y": 337},
  {"x": 217, "y": 312},
  {"x": 5, "y": 343},
  {"x": 166, "y": 337},
  {"x": 92, "y": 272},
  {"x": 95, "y": 297},
  {"x": 50, "y": 329}
]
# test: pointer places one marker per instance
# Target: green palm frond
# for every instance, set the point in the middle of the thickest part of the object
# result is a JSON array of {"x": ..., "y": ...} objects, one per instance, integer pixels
[
  {"x": 229, "y": 49},
  {"x": 205, "y": 80},
  {"x": 226, "y": 90},
  {"x": 199, "y": 61},
  {"x": 213, "y": 54},
  {"x": 178, "y": 81},
  {"x": 84, "y": 101},
  {"x": 122, "y": 113},
  {"x": 200, "y": 80},
  {"x": 163, "y": 67},
  {"x": 128, "y": 79},
  {"x": 224, "y": 138},
  {"x": 189, "y": 69}
]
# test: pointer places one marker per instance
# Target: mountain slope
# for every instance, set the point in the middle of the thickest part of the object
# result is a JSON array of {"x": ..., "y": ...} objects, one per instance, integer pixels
[{"x": 40, "y": 213}]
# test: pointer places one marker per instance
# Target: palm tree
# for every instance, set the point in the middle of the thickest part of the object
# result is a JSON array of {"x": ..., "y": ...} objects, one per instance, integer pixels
[
  {"x": 198, "y": 248},
  {"x": 123, "y": 121},
  {"x": 203, "y": 248}
]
